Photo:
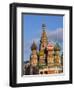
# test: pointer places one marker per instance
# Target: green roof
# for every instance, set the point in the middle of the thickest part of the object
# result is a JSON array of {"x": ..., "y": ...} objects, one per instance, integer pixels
[
  {"x": 57, "y": 47},
  {"x": 41, "y": 53}
]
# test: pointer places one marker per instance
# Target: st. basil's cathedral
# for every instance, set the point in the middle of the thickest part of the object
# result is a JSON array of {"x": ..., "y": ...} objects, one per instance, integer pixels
[{"x": 46, "y": 59}]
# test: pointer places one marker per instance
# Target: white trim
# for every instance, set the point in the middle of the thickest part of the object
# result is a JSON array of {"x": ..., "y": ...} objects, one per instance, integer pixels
[{"x": 43, "y": 78}]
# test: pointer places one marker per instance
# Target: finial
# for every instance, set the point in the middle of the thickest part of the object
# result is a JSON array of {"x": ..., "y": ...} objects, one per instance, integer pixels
[{"x": 43, "y": 27}]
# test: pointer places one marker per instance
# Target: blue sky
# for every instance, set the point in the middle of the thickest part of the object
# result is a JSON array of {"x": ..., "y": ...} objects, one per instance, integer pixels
[{"x": 32, "y": 29}]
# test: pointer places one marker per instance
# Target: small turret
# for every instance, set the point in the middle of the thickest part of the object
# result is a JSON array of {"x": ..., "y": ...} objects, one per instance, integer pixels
[{"x": 34, "y": 58}]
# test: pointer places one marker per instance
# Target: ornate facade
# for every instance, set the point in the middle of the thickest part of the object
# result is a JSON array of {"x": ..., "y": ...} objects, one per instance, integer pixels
[{"x": 47, "y": 59}]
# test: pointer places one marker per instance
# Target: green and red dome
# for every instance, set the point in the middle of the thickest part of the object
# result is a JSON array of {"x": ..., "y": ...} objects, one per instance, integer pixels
[{"x": 57, "y": 47}]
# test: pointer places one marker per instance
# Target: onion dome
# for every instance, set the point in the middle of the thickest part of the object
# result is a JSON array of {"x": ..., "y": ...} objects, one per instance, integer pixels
[
  {"x": 57, "y": 47},
  {"x": 33, "y": 47},
  {"x": 50, "y": 46},
  {"x": 41, "y": 53}
]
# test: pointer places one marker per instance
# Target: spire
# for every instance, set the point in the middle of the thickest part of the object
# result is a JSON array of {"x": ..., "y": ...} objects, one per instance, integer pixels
[
  {"x": 44, "y": 32},
  {"x": 44, "y": 35}
]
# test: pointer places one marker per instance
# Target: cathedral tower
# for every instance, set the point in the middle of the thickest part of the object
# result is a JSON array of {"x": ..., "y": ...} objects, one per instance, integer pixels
[
  {"x": 34, "y": 58},
  {"x": 44, "y": 39},
  {"x": 43, "y": 45}
]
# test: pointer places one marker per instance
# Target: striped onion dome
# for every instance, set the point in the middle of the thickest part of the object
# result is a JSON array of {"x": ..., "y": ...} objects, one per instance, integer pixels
[
  {"x": 50, "y": 46},
  {"x": 57, "y": 47}
]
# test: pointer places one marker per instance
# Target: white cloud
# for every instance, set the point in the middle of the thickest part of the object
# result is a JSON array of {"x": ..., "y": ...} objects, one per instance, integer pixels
[{"x": 56, "y": 35}]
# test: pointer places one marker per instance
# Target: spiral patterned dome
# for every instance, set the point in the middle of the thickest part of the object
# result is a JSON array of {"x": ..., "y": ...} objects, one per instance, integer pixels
[{"x": 50, "y": 46}]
